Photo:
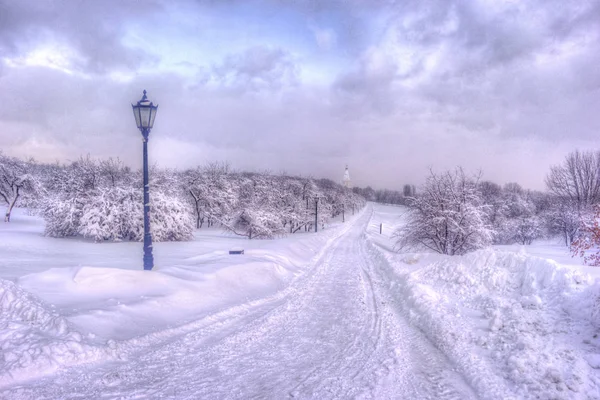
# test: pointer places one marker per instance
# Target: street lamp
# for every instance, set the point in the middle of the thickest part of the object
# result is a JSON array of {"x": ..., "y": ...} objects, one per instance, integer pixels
[{"x": 145, "y": 112}]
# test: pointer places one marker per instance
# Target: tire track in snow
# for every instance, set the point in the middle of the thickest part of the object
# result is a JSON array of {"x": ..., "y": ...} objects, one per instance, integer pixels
[{"x": 442, "y": 380}]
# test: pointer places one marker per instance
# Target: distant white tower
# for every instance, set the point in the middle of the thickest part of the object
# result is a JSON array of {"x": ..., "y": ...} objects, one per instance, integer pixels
[{"x": 346, "y": 182}]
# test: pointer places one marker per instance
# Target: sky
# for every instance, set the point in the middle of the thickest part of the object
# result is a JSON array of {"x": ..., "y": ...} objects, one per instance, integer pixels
[{"x": 389, "y": 88}]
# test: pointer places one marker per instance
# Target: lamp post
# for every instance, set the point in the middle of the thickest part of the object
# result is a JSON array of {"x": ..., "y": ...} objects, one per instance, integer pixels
[{"x": 145, "y": 112}]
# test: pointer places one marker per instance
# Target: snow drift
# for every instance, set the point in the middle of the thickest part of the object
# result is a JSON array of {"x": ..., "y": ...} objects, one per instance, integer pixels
[
  {"x": 123, "y": 304},
  {"x": 517, "y": 326},
  {"x": 35, "y": 340}
]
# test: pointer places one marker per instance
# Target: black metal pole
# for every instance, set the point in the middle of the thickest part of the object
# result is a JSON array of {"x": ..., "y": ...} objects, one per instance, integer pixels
[
  {"x": 316, "y": 213},
  {"x": 306, "y": 224},
  {"x": 148, "y": 257}
]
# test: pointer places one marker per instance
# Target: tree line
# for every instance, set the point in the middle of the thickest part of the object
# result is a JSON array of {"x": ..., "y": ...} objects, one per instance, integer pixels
[
  {"x": 455, "y": 213},
  {"x": 452, "y": 212},
  {"x": 387, "y": 196},
  {"x": 102, "y": 199}
]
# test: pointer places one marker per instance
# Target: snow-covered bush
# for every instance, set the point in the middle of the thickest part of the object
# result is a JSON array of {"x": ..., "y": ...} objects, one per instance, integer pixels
[
  {"x": 100, "y": 200},
  {"x": 170, "y": 218},
  {"x": 255, "y": 224},
  {"x": 515, "y": 214},
  {"x": 116, "y": 213},
  {"x": 587, "y": 244},
  {"x": 103, "y": 200},
  {"x": 516, "y": 220},
  {"x": 449, "y": 217},
  {"x": 274, "y": 204},
  {"x": 110, "y": 214},
  {"x": 62, "y": 216}
]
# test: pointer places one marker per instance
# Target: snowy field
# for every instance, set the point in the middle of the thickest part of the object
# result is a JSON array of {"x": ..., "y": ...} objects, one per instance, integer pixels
[{"x": 336, "y": 314}]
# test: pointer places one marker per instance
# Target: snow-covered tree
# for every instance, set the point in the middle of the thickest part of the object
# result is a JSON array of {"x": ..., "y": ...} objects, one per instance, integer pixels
[
  {"x": 15, "y": 181},
  {"x": 448, "y": 217},
  {"x": 526, "y": 229},
  {"x": 212, "y": 193},
  {"x": 564, "y": 217},
  {"x": 114, "y": 172},
  {"x": 491, "y": 194},
  {"x": 256, "y": 224},
  {"x": 577, "y": 179},
  {"x": 100, "y": 199},
  {"x": 259, "y": 213},
  {"x": 587, "y": 244},
  {"x": 515, "y": 219}
]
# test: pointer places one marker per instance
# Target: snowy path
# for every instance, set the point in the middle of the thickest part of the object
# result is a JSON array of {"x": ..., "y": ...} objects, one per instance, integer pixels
[{"x": 334, "y": 334}]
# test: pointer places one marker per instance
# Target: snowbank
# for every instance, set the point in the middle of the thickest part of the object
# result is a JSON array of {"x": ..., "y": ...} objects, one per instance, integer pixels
[
  {"x": 35, "y": 340},
  {"x": 517, "y": 326},
  {"x": 122, "y": 304}
]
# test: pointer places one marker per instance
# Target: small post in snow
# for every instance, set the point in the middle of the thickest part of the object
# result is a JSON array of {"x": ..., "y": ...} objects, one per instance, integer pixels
[{"x": 381, "y": 228}]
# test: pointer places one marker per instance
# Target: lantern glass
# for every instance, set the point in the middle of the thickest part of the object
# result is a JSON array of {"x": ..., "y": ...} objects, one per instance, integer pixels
[
  {"x": 136, "y": 114},
  {"x": 144, "y": 112},
  {"x": 153, "y": 110}
]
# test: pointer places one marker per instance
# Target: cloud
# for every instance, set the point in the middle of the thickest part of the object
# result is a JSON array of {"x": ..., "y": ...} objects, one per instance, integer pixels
[
  {"x": 398, "y": 86},
  {"x": 257, "y": 68},
  {"x": 92, "y": 31},
  {"x": 325, "y": 37}
]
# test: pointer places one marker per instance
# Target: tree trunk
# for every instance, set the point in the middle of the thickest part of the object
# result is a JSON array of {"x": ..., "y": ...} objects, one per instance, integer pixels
[{"x": 10, "y": 207}]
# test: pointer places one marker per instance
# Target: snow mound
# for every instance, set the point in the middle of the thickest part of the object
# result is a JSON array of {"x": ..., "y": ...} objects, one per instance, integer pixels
[
  {"x": 517, "y": 326},
  {"x": 34, "y": 339},
  {"x": 119, "y": 304}
]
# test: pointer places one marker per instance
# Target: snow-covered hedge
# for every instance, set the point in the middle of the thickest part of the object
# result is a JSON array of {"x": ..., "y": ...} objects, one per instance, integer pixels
[
  {"x": 257, "y": 224},
  {"x": 102, "y": 200},
  {"x": 116, "y": 213}
]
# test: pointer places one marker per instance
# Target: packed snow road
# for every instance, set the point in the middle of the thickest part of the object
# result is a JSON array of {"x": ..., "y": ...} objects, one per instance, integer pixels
[{"x": 335, "y": 333}]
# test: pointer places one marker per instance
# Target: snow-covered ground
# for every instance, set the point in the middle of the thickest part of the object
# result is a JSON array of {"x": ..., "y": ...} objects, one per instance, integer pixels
[
  {"x": 332, "y": 315},
  {"x": 98, "y": 294},
  {"x": 514, "y": 322}
]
